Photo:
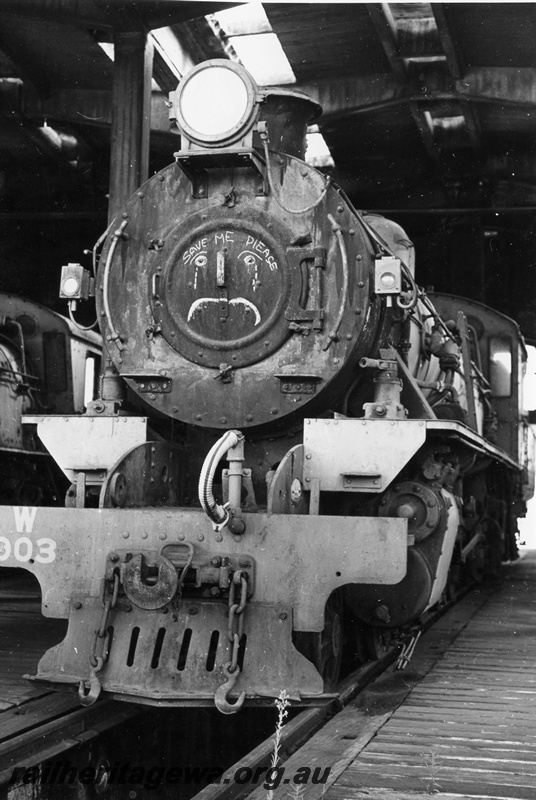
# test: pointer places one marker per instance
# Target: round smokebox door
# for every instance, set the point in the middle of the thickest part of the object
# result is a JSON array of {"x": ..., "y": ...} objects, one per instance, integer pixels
[{"x": 224, "y": 290}]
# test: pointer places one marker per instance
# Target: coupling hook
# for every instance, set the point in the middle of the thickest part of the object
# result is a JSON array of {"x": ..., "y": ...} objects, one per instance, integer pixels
[
  {"x": 94, "y": 685},
  {"x": 220, "y": 695}
]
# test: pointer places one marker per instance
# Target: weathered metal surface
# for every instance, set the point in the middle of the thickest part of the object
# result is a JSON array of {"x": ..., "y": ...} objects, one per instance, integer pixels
[
  {"x": 181, "y": 655},
  {"x": 151, "y": 474},
  {"x": 89, "y": 443},
  {"x": 286, "y": 493},
  {"x": 236, "y": 298},
  {"x": 299, "y": 559},
  {"x": 359, "y": 455}
]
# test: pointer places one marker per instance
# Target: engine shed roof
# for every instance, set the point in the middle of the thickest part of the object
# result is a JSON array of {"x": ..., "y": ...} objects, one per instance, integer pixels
[{"x": 429, "y": 108}]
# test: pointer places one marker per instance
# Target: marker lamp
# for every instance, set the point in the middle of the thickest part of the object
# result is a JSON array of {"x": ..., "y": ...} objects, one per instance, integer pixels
[
  {"x": 387, "y": 277},
  {"x": 75, "y": 283},
  {"x": 215, "y": 103}
]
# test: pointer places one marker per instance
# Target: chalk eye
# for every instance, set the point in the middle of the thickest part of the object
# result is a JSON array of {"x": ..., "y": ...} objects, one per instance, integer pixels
[
  {"x": 250, "y": 261},
  {"x": 200, "y": 261}
]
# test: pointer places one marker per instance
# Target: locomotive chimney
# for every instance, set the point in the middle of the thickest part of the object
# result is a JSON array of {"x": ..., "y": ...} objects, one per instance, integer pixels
[{"x": 287, "y": 114}]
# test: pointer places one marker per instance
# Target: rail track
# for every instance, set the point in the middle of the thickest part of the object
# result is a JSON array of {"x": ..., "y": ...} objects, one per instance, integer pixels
[
  {"x": 368, "y": 696},
  {"x": 55, "y": 724}
]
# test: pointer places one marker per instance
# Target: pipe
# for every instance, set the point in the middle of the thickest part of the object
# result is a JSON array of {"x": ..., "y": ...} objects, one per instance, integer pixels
[
  {"x": 118, "y": 234},
  {"x": 219, "y": 515}
]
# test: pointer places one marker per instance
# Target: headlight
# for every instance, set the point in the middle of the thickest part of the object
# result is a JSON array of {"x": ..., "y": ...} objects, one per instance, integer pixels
[{"x": 215, "y": 103}]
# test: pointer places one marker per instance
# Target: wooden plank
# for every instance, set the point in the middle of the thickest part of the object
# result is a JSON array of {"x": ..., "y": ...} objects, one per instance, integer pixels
[{"x": 468, "y": 728}]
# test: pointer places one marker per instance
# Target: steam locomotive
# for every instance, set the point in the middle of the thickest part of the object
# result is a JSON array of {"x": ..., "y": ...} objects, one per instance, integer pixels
[
  {"x": 47, "y": 365},
  {"x": 296, "y": 452}
]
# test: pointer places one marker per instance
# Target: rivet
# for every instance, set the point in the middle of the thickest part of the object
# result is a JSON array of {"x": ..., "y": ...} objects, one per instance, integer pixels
[
  {"x": 78, "y": 604},
  {"x": 283, "y": 616},
  {"x": 358, "y": 311},
  {"x": 174, "y": 410},
  {"x": 181, "y": 537},
  {"x": 223, "y": 420},
  {"x": 249, "y": 417},
  {"x": 358, "y": 258},
  {"x": 308, "y": 480},
  {"x": 219, "y": 537},
  {"x": 352, "y": 233},
  {"x": 140, "y": 194},
  {"x": 144, "y": 535},
  {"x": 200, "y": 537},
  {"x": 198, "y": 417},
  {"x": 340, "y": 209},
  {"x": 267, "y": 344},
  {"x": 192, "y": 611},
  {"x": 162, "y": 536},
  {"x": 336, "y": 360},
  {"x": 152, "y": 397},
  {"x": 308, "y": 456},
  {"x": 361, "y": 284},
  {"x": 274, "y": 410},
  {"x": 237, "y": 538},
  {"x": 126, "y": 534}
]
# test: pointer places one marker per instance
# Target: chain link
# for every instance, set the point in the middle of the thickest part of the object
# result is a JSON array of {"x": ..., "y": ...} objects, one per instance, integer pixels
[
  {"x": 235, "y": 629},
  {"x": 102, "y": 634}
]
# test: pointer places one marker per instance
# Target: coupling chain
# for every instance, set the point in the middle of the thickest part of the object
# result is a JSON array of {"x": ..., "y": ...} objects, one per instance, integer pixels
[
  {"x": 102, "y": 634},
  {"x": 99, "y": 655},
  {"x": 235, "y": 629}
]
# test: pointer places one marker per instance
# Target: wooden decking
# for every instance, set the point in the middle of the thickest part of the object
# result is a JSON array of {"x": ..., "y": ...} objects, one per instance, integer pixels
[{"x": 458, "y": 724}]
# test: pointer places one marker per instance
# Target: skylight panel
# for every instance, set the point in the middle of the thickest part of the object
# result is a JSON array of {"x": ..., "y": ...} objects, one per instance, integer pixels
[{"x": 247, "y": 30}]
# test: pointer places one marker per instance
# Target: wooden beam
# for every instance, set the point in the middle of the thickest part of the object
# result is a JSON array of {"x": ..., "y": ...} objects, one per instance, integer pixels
[
  {"x": 385, "y": 27},
  {"x": 473, "y": 126},
  {"x": 340, "y": 97},
  {"x": 448, "y": 38},
  {"x": 426, "y": 131}
]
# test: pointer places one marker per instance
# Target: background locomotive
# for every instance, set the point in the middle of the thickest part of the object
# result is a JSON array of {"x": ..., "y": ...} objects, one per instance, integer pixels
[
  {"x": 377, "y": 455},
  {"x": 47, "y": 365}
]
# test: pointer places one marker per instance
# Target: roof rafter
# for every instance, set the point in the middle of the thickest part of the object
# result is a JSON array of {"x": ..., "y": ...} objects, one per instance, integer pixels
[
  {"x": 346, "y": 96},
  {"x": 426, "y": 131},
  {"x": 447, "y": 36},
  {"x": 385, "y": 27}
]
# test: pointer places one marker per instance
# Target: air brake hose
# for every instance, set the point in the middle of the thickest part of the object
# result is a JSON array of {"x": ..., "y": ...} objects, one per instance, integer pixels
[
  {"x": 113, "y": 335},
  {"x": 218, "y": 514}
]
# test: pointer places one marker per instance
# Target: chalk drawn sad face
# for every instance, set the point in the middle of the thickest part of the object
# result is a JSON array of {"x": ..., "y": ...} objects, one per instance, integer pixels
[{"x": 232, "y": 284}]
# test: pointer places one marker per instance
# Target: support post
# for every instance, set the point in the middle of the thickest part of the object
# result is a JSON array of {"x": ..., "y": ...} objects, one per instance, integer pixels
[{"x": 131, "y": 116}]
